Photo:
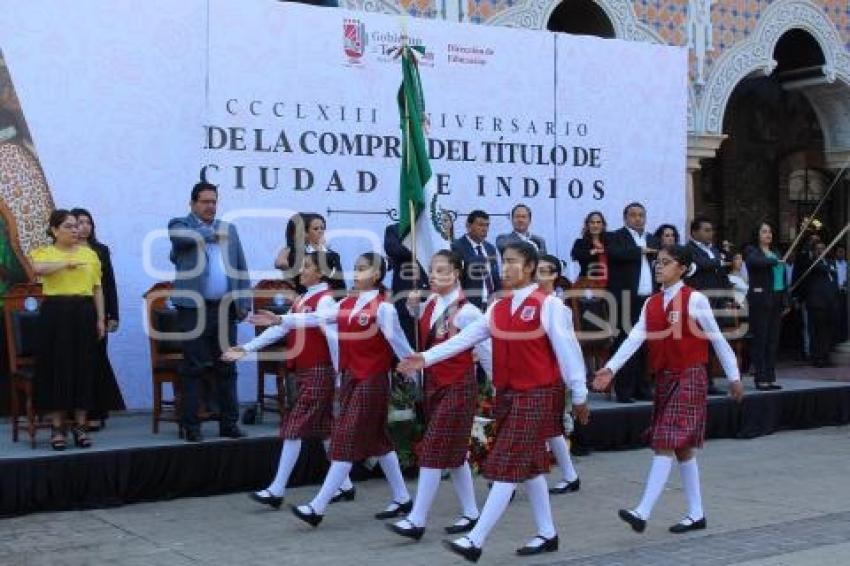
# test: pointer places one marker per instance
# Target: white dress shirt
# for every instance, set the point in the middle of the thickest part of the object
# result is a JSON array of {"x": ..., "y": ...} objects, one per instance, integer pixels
[
  {"x": 704, "y": 247},
  {"x": 467, "y": 315},
  {"x": 274, "y": 333},
  {"x": 700, "y": 310},
  {"x": 488, "y": 274},
  {"x": 645, "y": 283},
  {"x": 841, "y": 272},
  {"x": 557, "y": 323}
]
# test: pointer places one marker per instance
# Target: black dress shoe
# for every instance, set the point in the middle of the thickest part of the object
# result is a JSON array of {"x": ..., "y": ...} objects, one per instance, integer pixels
[
  {"x": 548, "y": 545},
  {"x": 638, "y": 525},
  {"x": 411, "y": 531},
  {"x": 565, "y": 486},
  {"x": 471, "y": 553},
  {"x": 266, "y": 498},
  {"x": 312, "y": 518},
  {"x": 464, "y": 527},
  {"x": 344, "y": 495},
  {"x": 688, "y": 524},
  {"x": 396, "y": 510},
  {"x": 191, "y": 435},
  {"x": 231, "y": 432}
]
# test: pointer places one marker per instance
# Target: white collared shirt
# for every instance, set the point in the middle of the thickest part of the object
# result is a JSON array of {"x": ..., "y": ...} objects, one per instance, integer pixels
[
  {"x": 484, "y": 293},
  {"x": 645, "y": 283},
  {"x": 841, "y": 272},
  {"x": 557, "y": 322},
  {"x": 699, "y": 309}
]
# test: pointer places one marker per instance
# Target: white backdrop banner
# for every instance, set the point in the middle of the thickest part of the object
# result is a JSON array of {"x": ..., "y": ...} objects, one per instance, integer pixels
[{"x": 290, "y": 108}]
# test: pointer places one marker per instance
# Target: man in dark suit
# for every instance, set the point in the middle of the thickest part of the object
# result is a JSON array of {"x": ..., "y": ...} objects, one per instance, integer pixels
[
  {"x": 521, "y": 221},
  {"x": 481, "y": 277},
  {"x": 631, "y": 250},
  {"x": 405, "y": 277},
  {"x": 209, "y": 268},
  {"x": 710, "y": 272},
  {"x": 821, "y": 293}
]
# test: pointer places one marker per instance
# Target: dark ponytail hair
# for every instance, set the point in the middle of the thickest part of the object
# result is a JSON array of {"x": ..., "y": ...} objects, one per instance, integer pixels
[
  {"x": 680, "y": 254},
  {"x": 377, "y": 261},
  {"x": 57, "y": 217},
  {"x": 549, "y": 258},
  {"x": 452, "y": 257},
  {"x": 526, "y": 250}
]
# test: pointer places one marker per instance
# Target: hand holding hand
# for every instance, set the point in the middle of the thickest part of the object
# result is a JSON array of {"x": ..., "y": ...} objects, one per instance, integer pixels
[
  {"x": 411, "y": 363},
  {"x": 602, "y": 379}
]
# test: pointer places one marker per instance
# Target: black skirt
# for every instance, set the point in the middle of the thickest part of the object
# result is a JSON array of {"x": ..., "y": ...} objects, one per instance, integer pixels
[
  {"x": 107, "y": 393},
  {"x": 68, "y": 359}
]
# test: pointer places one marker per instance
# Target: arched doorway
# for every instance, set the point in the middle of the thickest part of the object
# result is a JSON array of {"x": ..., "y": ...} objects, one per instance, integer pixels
[
  {"x": 772, "y": 164},
  {"x": 581, "y": 17}
]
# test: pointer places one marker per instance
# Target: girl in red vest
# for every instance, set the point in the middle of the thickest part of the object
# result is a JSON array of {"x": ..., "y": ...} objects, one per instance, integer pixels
[
  {"x": 533, "y": 347},
  {"x": 312, "y": 358},
  {"x": 548, "y": 272},
  {"x": 368, "y": 332},
  {"x": 677, "y": 324},
  {"x": 451, "y": 395}
]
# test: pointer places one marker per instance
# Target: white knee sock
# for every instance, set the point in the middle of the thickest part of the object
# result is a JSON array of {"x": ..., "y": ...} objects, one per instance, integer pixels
[
  {"x": 426, "y": 491},
  {"x": 538, "y": 496},
  {"x": 558, "y": 446},
  {"x": 392, "y": 471},
  {"x": 690, "y": 483},
  {"x": 336, "y": 474},
  {"x": 494, "y": 507},
  {"x": 658, "y": 474},
  {"x": 465, "y": 490},
  {"x": 346, "y": 485},
  {"x": 288, "y": 457}
]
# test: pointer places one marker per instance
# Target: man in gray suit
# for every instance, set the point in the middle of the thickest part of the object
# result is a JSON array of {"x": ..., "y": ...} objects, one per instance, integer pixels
[
  {"x": 521, "y": 220},
  {"x": 210, "y": 266}
]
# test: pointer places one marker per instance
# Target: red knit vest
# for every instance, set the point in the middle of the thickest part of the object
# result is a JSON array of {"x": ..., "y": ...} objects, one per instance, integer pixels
[
  {"x": 455, "y": 368},
  {"x": 673, "y": 345},
  {"x": 307, "y": 346},
  {"x": 363, "y": 350},
  {"x": 523, "y": 357}
]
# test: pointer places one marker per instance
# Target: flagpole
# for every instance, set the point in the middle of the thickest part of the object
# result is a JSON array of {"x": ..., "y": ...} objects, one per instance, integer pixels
[
  {"x": 820, "y": 257},
  {"x": 812, "y": 216}
]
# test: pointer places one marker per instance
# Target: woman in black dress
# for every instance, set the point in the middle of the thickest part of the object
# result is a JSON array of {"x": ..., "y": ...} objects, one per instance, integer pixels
[{"x": 107, "y": 392}]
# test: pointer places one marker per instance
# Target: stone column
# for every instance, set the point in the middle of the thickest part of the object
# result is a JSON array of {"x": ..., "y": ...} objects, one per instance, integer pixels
[
  {"x": 700, "y": 146},
  {"x": 453, "y": 10}
]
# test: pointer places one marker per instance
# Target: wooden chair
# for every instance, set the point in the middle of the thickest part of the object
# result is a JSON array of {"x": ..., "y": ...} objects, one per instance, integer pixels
[
  {"x": 166, "y": 354},
  {"x": 274, "y": 295},
  {"x": 21, "y": 338}
]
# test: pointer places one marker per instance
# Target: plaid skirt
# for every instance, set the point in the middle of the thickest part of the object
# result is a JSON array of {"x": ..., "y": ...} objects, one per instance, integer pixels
[
  {"x": 450, "y": 411},
  {"x": 361, "y": 428},
  {"x": 679, "y": 409},
  {"x": 519, "y": 451},
  {"x": 555, "y": 425},
  {"x": 312, "y": 414}
]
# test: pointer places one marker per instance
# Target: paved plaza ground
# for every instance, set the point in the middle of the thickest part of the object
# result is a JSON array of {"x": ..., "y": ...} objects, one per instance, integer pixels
[{"x": 782, "y": 499}]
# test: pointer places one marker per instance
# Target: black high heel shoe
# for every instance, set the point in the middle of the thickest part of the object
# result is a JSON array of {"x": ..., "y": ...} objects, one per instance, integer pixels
[{"x": 81, "y": 439}]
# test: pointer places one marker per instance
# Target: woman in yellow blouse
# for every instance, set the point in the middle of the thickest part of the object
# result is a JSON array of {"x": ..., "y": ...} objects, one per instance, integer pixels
[{"x": 71, "y": 323}]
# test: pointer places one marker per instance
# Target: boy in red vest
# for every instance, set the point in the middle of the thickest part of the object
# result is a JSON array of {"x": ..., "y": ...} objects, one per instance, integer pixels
[
  {"x": 312, "y": 358},
  {"x": 533, "y": 346},
  {"x": 451, "y": 398},
  {"x": 677, "y": 323}
]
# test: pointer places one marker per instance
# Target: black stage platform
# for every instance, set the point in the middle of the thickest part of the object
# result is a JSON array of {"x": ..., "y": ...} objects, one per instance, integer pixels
[{"x": 128, "y": 464}]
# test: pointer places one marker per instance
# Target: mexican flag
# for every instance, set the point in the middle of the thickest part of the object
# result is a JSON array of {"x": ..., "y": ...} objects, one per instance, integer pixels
[{"x": 416, "y": 185}]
